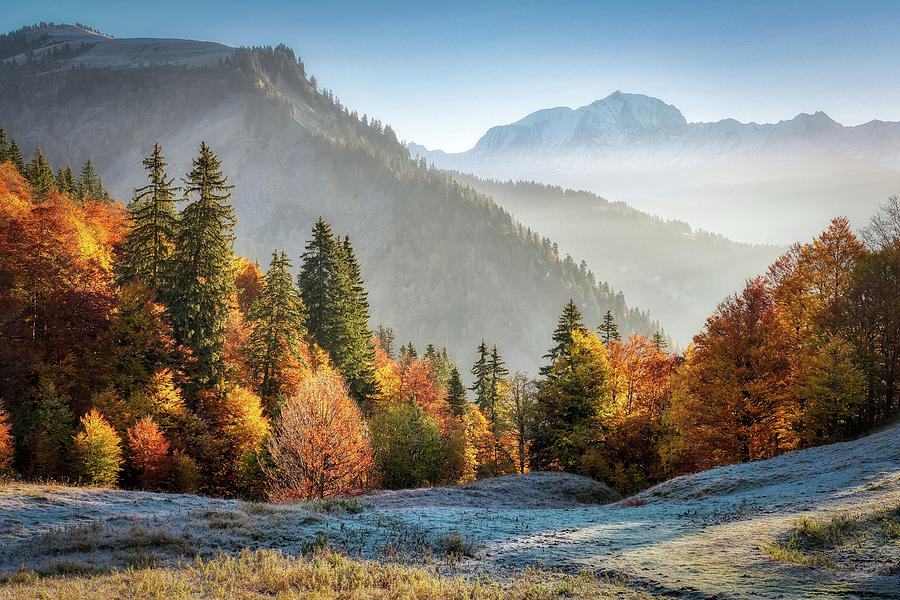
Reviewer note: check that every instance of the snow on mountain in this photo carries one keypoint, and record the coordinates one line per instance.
(93, 49)
(724, 176)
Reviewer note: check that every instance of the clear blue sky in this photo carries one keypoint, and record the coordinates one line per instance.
(442, 73)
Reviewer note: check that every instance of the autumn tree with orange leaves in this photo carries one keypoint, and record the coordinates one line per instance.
(149, 454)
(319, 444)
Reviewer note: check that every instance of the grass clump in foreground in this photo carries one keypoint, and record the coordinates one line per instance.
(813, 542)
(270, 574)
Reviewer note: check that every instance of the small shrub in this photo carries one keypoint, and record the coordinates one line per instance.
(820, 532)
(890, 528)
(334, 506)
(97, 451)
(187, 474)
(453, 543)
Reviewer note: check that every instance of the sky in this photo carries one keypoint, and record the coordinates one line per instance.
(443, 73)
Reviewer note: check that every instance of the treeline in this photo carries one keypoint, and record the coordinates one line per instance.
(138, 350)
(87, 187)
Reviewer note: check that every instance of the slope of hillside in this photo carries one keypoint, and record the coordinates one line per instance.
(678, 273)
(772, 182)
(442, 263)
(697, 536)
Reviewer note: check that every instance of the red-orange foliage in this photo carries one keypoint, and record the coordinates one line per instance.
(319, 444)
(150, 457)
(248, 281)
(734, 400)
(417, 385)
(56, 261)
(6, 442)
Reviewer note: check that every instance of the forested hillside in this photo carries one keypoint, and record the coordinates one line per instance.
(675, 271)
(444, 263)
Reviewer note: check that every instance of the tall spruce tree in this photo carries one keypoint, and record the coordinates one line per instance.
(570, 320)
(456, 392)
(148, 245)
(385, 337)
(203, 257)
(15, 156)
(276, 322)
(39, 174)
(659, 341)
(333, 293)
(482, 372)
(65, 181)
(4, 146)
(90, 185)
(608, 329)
(359, 366)
(498, 373)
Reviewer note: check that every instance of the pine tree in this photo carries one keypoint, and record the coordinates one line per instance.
(608, 329)
(276, 321)
(359, 368)
(203, 257)
(440, 365)
(332, 289)
(16, 157)
(148, 245)
(386, 340)
(498, 373)
(90, 185)
(482, 372)
(408, 350)
(570, 320)
(659, 341)
(65, 181)
(456, 392)
(39, 174)
(4, 146)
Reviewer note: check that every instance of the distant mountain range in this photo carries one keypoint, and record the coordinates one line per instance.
(757, 182)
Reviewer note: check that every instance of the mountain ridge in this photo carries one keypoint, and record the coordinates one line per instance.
(443, 264)
(724, 176)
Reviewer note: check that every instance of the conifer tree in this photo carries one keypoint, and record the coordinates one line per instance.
(608, 329)
(408, 350)
(39, 174)
(4, 146)
(386, 340)
(16, 157)
(570, 320)
(498, 373)
(333, 293)
(276, 321)
(659, 342)
(456, 392)
(148, 245)
(90, 185)
(359, 367)
(65, 181)
(482, 372)
(203, 257)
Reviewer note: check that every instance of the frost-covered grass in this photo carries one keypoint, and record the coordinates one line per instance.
(725, 529)
(326, 575)
(839, 541)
